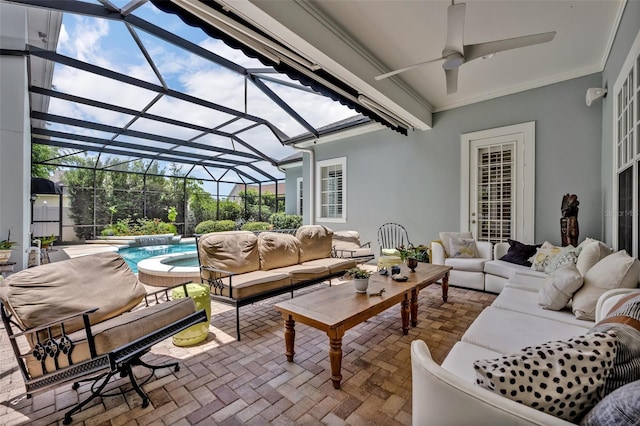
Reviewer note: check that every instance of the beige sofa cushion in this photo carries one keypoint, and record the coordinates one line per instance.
(559, 287)
(277, 250)
(592, 251)
(301, 273)
(315, 242)
(42, 294)
(618, 270)
(334, 265)
(233, 251)
(346, 240)
(116, 332)
(253, 283)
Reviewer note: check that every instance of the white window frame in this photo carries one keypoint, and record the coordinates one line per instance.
(299, 194)
(341, 161)
(634, 156)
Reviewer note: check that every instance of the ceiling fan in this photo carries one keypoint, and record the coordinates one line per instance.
(455, 53)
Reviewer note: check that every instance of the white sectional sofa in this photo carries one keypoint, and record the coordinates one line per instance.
(446, 394)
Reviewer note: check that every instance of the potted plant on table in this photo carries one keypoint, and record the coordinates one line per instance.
(409, 256)
(6, 248)
(360, 278)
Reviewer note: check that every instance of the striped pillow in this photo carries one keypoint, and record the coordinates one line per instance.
(624, 320)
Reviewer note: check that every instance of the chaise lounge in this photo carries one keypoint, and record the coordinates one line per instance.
(87, 319)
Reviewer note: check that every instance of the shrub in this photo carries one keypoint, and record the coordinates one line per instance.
(214, 226)
(256, 226)
(286, 221)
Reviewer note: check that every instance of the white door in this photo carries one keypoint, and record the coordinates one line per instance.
(497, 194)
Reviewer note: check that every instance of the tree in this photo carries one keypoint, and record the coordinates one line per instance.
(39, 154)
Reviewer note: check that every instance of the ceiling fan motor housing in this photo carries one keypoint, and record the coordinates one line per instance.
(453, 61)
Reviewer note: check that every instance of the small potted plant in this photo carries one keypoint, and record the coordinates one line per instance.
(45, 242)
(360, 278)
(409, 256)
(6, 248)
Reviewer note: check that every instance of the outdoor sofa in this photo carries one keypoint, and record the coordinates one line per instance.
(492, 347)
(242, 268)
(87, 319)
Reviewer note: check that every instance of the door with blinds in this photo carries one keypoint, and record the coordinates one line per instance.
(498, 183)
(494, 191)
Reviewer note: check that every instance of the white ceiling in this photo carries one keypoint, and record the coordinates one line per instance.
(359, 39)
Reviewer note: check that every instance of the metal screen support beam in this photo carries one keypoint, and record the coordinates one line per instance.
(260, 202)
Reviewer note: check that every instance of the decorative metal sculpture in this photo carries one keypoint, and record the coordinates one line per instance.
(569, 221)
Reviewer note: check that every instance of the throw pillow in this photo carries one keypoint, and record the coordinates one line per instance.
(543, 256)
(519, 253)
(445, 237)
(592, 251)
(618, 270)
(624, 320)
(566, 255)
(561, 378)
(619, 408)
(462, 247)
(558, 287)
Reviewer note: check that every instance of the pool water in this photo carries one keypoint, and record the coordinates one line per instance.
(133, 255)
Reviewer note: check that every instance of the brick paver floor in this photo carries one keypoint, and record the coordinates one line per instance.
(229, 382)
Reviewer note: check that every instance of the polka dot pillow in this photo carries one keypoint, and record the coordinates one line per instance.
(561, 378)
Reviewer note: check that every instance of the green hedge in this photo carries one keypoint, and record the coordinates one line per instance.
(215, 226)
(256, 226)
(285, 221)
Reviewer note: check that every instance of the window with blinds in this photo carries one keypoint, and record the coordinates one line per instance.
(496, 168)
(300, 196)
(331, 174)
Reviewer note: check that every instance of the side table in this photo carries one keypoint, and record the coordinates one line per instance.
(200, 293)
(6, 268)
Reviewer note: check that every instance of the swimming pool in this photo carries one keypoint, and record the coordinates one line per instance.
(133, 255)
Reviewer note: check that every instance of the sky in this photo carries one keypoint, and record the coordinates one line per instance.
(110, 45)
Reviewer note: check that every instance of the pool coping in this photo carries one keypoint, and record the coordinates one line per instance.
(154, 271)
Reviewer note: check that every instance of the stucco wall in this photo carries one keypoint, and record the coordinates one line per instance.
(415, 180)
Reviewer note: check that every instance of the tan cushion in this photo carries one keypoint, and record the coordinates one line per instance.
(315, 242)
(116, 332)
(44, 293)
(346, 240)
(618, 270)
(277, 250)
(233, 251)
(445, 238)
(333, 264)
(300, 273)
(253, 283)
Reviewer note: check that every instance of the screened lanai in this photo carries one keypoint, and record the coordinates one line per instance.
(122, 87)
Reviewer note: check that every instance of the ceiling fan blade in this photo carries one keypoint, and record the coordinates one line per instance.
(455, 29)
(452, 80)
(474, 51)
(410, 67)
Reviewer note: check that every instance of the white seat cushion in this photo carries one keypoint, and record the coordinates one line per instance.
(518, 300)
(506, 331)
(525, 281)
(507, 269)
(466, 264)
(460, 359)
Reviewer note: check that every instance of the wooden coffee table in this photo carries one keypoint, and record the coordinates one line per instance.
(336, 309)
